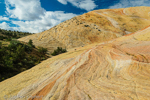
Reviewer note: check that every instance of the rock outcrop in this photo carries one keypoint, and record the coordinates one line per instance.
(93, 27)
(114, 70)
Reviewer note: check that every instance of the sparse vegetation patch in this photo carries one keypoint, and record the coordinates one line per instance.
(59, 50)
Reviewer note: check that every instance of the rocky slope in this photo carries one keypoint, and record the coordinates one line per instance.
(115, 70)
(93, 27)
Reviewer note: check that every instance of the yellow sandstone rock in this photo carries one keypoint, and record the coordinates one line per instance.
(118, 69)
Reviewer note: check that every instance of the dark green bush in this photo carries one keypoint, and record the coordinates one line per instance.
(8, 39)
(86, 25)
(30, 43)
(42, 50)
(59, 50)
(2, 37)
(0, 45)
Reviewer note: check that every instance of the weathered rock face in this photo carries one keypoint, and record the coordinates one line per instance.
(95, 26)
(115, 70)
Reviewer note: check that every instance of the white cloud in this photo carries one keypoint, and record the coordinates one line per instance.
(31, 16)
(4, 25)
(24, 9)
(82, 4)
(46, 22)
(3, 18)
(63, 1)
(130, 3)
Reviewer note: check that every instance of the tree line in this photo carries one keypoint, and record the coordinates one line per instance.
(8, 34)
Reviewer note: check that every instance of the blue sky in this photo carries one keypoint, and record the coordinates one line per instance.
(39, 15)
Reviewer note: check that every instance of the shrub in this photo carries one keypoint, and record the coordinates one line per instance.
(59, 50)
(42, 50)
(13, 45)
(30, 43)
(86, 25)
(0, 45)
(2, 37)
(9, 39)
(28, 48)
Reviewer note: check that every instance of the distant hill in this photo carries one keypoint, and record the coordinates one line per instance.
(92, 27)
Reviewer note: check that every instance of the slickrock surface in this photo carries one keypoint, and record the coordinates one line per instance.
(115, 70)
(93, 27)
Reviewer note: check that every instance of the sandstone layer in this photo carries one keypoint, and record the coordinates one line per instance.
(114, 70)
(92, 27)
